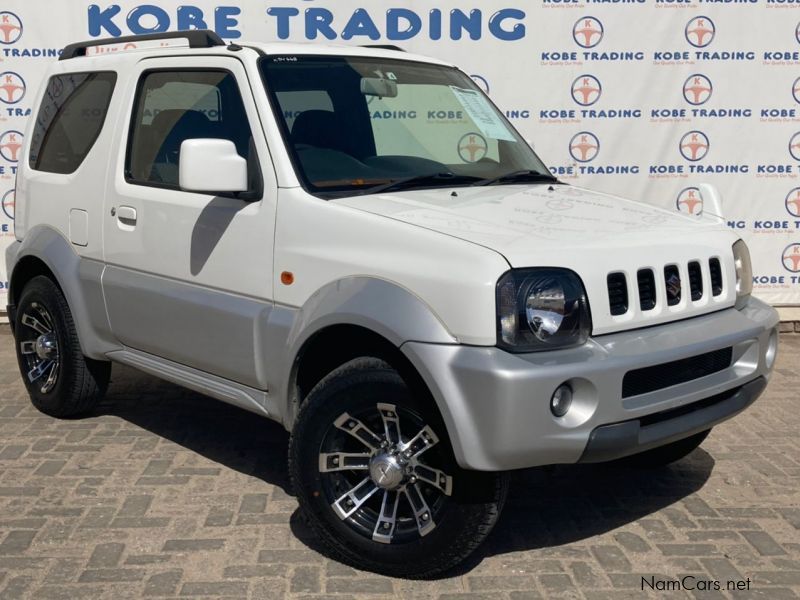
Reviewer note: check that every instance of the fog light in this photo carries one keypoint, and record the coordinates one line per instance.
(561, 400)
(772, 349)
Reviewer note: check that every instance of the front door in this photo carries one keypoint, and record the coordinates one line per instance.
(189, 275)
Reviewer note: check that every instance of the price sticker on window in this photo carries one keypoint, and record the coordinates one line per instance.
(482, 113)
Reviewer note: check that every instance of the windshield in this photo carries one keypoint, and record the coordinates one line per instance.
(363, 125)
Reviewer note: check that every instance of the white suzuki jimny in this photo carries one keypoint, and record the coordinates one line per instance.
(355, 242)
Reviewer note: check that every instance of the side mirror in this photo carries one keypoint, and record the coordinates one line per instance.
(712, 200)
(211, 166)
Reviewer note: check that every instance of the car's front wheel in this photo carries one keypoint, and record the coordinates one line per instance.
(377, 481)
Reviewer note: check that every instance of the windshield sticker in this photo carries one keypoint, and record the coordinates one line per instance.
(482, 113)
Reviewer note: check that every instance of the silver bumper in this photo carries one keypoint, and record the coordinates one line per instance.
(496, 405)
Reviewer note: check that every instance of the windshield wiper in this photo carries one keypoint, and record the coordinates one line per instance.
(527, 175)
(417, 180)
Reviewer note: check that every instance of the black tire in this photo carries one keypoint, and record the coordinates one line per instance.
(79, 383)
(462, 520)
(664, 455)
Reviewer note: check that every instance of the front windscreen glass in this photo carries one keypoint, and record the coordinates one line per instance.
(362, 125)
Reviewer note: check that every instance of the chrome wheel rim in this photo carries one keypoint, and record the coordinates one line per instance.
(376, 479)
(38, 346)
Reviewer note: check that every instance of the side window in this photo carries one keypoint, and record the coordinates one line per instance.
(173, 106)
(70, 119)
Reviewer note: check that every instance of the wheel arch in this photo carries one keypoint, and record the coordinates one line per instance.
(358, 316)
(45, 251)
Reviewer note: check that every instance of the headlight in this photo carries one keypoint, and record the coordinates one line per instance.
(744, 272)
(541, 309)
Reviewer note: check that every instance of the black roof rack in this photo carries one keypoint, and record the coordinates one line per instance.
(198, 38)
(383, 47)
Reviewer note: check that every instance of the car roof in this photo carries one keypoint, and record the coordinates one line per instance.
(299, 48)
(118, 54)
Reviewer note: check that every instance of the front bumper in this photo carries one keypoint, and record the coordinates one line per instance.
(496, 405)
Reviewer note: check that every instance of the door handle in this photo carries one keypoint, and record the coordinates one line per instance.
(126, 217)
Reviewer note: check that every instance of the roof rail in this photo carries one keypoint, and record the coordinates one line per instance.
(198, 38)
(383, 47)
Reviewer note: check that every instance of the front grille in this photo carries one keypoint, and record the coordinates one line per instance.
(650, 379)
(646, 281)
(617, 293)
(716, 276)
(695, 281)
(671, 285)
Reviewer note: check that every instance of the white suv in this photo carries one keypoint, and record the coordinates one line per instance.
(355, 242)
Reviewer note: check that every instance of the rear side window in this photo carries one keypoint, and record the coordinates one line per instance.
(173, 106)
(70, 119)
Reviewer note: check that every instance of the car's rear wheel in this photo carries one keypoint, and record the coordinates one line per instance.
(60, 380)
(670, 453)
(377, 481)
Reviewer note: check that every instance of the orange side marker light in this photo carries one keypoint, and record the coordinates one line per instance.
(287, 278)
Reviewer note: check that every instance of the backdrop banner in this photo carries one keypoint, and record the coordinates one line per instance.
(641, 98)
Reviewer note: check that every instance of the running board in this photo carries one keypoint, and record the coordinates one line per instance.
(228, 391)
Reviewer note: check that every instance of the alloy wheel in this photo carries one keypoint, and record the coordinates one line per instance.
(376, 479)
(38, 345)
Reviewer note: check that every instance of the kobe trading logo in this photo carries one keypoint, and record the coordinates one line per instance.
(587, 32)
(586, 90)
(472, 147)
(10, 27)
(584, 146)
(794, 146)
(8, 203)
(694, 146)
(690, 201)
(792, 202)
(700, 32)
(12, 87)
(697, 89)
(791, 258)
(10, 144)
(481, 82)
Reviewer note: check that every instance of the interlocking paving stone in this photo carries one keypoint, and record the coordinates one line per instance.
(163, 493)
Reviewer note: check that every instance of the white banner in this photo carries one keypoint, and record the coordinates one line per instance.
(641, 98)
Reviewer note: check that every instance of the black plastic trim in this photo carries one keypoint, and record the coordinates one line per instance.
(383, 47)
(617, 440)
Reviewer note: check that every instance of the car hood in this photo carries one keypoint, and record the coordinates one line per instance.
(591, 233)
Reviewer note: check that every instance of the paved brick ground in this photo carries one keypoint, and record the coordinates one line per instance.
(165, 493)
